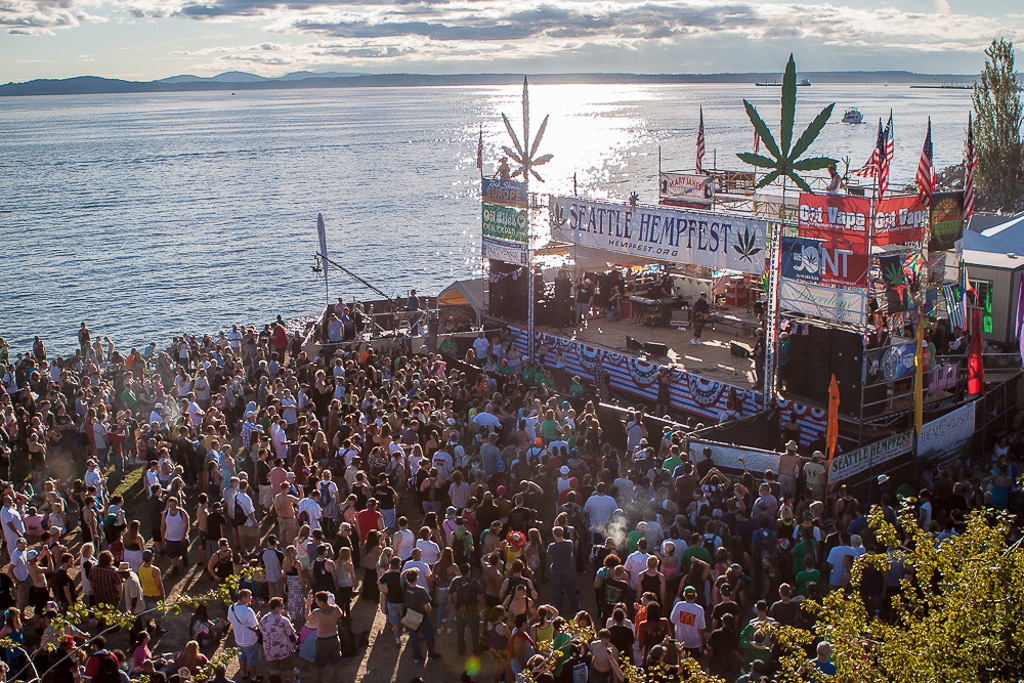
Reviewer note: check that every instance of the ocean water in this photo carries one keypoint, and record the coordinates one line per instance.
(150, 215)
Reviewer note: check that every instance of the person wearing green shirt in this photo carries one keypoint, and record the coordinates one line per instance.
(673, 461)
(548, 426)
(449, 347)
(529, 375)
(129, 399)
(810, 574)
(695, 549)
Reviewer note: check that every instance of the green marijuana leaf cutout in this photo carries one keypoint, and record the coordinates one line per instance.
(785, 161)
(895, 276)
(747, 247)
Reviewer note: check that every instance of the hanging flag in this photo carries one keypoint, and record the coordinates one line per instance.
(954, 309)
(885, 158)
(970, 161)
(965, 289)
(480, 149)
(321, 232)
(700, 143)
(919, 375)
(1018, 326)
(832, 425)
(975, 364)
(870, 169)
(925, 172)
(757, 141)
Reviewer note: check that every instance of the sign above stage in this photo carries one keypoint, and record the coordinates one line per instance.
(687, 188)
(507, 252)
(661, 233)
(505, 192)
(819, 262)
(847, 306)
(841, 220)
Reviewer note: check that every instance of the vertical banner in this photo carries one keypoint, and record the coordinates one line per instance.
(946, 219)
(832, 426)
(321, 232)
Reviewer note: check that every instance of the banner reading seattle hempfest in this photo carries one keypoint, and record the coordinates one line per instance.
(661, 233)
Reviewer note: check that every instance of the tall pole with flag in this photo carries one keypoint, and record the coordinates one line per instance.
(831, 427)
(925, 170)
(321, 233)
(700, 143)
(919, 375)
(480, 152)
(525, 154)
(970, 161)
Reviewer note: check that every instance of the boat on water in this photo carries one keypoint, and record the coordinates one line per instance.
(852, 115)
(778, 84)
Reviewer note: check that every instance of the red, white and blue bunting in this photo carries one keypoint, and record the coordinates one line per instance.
(812, 421)
(688, 392)
(495, 277)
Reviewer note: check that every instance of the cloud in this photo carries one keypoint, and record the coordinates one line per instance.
(611, 22)
(43, 17)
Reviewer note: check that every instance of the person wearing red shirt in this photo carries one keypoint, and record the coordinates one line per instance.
(367, 519)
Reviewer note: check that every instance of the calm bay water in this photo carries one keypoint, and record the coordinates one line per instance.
(152, 215)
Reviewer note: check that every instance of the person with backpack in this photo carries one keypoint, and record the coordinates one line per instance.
(102, 666)
(465, 593)
(462, 543)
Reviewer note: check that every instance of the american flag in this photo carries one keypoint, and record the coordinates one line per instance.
(757, 142)
(969, 163)
(480, 149)
(870, 169)
(700, 143)
(925, 172)
(881, 157)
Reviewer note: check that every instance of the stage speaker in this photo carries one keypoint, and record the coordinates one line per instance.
(808, 373)
(633, 344)
(655, 349)
(740, 350)
(564, 307)
(846, 361)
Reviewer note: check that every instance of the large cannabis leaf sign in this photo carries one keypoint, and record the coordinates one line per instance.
(746, 246)
(785, 161)
(525, 154)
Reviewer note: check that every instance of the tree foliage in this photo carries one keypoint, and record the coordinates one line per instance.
(784, 160)
(998, 116)
(959, 615)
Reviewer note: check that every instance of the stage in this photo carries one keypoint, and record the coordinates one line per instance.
(712, 359)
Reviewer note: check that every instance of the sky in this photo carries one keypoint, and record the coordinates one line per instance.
(151, 39)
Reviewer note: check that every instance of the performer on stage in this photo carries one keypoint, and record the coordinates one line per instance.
(700, 312)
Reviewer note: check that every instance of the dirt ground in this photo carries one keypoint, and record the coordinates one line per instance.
(381, 662)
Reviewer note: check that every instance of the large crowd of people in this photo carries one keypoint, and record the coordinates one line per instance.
(476, 506)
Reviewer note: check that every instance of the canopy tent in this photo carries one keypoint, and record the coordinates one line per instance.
(471, 293)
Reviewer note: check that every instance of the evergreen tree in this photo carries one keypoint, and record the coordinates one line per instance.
(998, 115)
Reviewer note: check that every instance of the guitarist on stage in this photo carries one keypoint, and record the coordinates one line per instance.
(699, 313)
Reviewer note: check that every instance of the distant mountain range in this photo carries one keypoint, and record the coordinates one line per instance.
(238, 80)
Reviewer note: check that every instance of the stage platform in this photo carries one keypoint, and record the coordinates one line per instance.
(712, 359)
